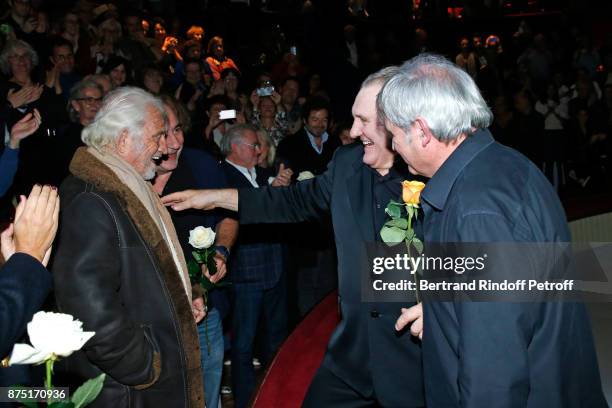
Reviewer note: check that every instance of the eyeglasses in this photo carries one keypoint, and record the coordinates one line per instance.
(253, 146)
(16, 57)
(89, 100)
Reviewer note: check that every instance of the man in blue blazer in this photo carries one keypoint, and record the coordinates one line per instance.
(26, 246)
(495, 353)
(367, 363)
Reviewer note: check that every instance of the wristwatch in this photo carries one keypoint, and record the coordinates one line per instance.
(223, 251)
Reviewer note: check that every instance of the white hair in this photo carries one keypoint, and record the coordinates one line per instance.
(125, 108)
(233, 135)
(11, 47)
(430, 87)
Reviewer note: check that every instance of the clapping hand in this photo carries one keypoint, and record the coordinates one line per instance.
(24, 128)
(24, 96)
(35, 225)
(283, 178)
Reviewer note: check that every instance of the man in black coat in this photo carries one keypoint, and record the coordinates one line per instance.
(367, 363)
(499, 352)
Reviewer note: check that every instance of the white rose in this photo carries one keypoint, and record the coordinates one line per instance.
(51, 335)
(305, 175)
(201, 237)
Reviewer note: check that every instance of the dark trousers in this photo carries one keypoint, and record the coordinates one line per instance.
(327, 390)
(251, 303)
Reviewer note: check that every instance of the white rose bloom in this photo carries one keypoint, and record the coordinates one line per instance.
(305, 175)
(51, 334)
(201, 237)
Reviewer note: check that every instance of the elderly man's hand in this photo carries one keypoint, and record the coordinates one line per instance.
(35, 225)
(413, 314)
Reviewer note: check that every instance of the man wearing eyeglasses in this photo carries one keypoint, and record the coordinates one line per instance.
(256, 267)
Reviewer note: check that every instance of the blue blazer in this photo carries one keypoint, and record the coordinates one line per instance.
(24, 286)
(502, 354)
(365, 351)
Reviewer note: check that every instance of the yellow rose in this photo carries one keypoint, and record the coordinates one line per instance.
(411, 192)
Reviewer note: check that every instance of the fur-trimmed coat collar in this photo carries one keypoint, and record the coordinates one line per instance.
(91, 170)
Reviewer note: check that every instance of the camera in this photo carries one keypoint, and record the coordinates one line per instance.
(266, 90)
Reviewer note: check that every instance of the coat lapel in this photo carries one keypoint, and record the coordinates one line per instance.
(359, 187)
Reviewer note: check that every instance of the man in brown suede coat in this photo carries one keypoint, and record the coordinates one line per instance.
(119, 267)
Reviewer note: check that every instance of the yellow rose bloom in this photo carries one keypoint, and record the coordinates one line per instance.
(411, 192)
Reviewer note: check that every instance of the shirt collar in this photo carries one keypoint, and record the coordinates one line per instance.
(324, 138)
(438, 188)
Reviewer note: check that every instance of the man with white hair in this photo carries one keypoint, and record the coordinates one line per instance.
(500, 353)
(119, 267)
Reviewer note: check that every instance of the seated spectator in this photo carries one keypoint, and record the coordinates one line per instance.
(109, 33)
(231, 82)
(292, 103)
(216, 60)
(26, 248)
(118, 69)
(269, 114)
(80, 40)
(152, 80)
(83, 105)
(64, 71)
(466, 59)
(195, 33)
(193, 90)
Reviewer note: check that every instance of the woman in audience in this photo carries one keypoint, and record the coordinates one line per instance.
(216, 60)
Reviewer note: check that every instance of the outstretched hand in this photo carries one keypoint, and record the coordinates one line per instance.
(24, 128)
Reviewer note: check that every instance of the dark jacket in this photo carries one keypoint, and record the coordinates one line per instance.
(296, 152)
(24, 285)
(365, 351)
(257, 257)
(115, 273)
(502, 354)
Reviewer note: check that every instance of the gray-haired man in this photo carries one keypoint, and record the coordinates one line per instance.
(119, 267)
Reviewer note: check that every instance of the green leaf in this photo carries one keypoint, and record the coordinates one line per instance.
(392, 235)
(410, 235)
(394, 210)
(88, 392)
(418, 245)
(199, 258)
(401, 223)
(194, 271)
(410, 210)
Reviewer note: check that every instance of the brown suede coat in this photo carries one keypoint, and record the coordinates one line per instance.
(89, 169)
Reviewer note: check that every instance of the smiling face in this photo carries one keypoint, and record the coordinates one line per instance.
(88, 105)
(317, 122)
(367, 128)
(20, 61)
(175, 139)
(142, 153)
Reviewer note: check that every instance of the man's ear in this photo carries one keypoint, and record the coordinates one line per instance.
(123, 142)
(425, 136)
(75, 105)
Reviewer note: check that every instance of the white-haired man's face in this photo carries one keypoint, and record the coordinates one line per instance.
(142, 153)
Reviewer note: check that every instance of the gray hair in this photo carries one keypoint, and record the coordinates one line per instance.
(123, 109)
(76, 92)
(12, 46)
(381, 76)
(433, 88)
(234, 135)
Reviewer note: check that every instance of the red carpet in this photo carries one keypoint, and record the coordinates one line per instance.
(291, 371)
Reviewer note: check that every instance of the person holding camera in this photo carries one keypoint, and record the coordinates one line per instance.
(269, 113)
